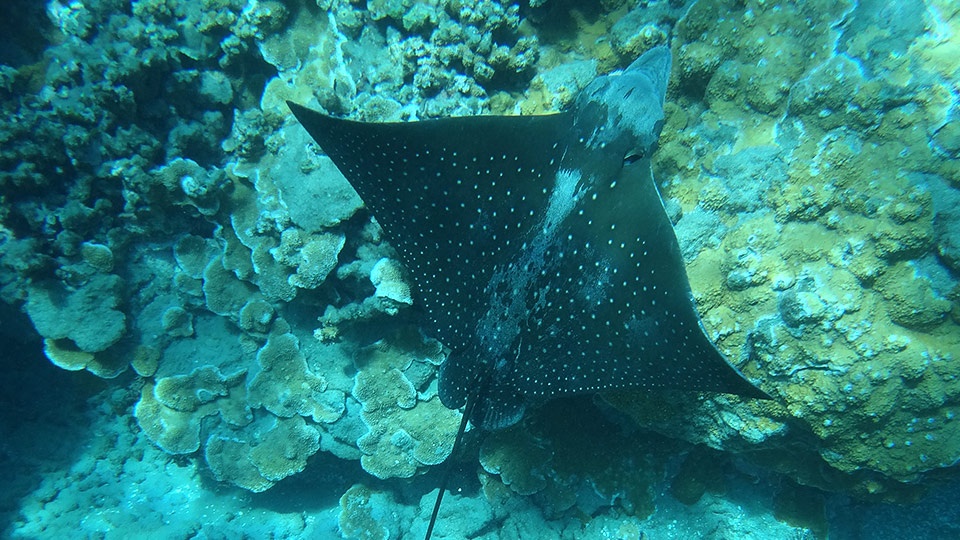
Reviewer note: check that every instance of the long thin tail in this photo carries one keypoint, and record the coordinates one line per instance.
(451, 460)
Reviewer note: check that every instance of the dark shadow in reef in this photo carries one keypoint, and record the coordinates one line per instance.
(934, 517)
(25, 31)
(326, 478)
(42, 420)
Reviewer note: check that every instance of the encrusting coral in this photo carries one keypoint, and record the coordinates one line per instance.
(285, 387)
(822, 283)
(358, 518)
(268, 454)
(59, 312)
(407, 430)
(171, 410)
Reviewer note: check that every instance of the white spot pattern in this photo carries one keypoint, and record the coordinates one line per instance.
(551, 278)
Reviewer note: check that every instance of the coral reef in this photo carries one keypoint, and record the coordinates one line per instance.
(359, 512)
(433, 59)
(170, 412)
(277, 450)
(59, 312)
(161, 211)
(407, 426)
(822, 284)
(285, 387)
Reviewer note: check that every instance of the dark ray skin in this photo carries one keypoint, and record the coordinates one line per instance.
(539, 246)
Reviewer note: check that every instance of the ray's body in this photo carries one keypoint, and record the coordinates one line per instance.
(539, 246)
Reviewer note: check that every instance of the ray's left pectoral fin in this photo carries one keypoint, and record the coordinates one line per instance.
(456, 197)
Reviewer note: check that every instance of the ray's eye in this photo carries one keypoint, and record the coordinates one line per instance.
(633, 157)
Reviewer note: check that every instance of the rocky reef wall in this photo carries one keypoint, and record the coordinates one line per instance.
(166, 224)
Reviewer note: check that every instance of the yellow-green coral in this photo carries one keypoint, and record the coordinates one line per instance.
(177, 322)
(64, 354)
(225, 294)
(286, 387)
(170, 411)
(559, 448)
(193, 253)
(263, 456)
(387, 276)
(827, 295)
(284, 450)
(98, 256)
(176, 432)
(519, 458)
(189, 392)
(911, 301)
(314, 44)
(313, 259)
(229, 460)
(405, 432)
(256, 316)
(145, 360)
(59, 311)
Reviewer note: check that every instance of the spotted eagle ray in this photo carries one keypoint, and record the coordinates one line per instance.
(539, 247)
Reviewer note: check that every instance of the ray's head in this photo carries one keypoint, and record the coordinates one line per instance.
(622, 112)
